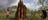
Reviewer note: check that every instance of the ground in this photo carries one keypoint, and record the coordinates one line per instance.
(12, 17)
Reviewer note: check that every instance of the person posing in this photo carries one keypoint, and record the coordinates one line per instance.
(7, 12)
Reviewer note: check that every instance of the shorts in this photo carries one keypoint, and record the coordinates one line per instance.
(7, 16)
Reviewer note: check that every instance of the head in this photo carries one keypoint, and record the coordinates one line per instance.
(8, 8)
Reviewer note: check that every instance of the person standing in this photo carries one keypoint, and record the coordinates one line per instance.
(7, 12)
(44, 15)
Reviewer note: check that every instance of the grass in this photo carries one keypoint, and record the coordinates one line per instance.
(11, 17)
(29, 17)
(36, 17)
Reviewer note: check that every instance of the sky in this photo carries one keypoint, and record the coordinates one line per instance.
(30, 4)
(7, 3)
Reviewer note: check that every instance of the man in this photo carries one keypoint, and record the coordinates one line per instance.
(44, 15)
(7, 12)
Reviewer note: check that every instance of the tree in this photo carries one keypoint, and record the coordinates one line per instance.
(42, 2)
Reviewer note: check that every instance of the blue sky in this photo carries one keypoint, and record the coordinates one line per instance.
(6, 3)
(30, 4)
(34, 4)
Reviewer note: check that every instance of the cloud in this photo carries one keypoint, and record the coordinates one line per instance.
(15, 3)
(33, 5)
(7, 3)
(30, 4)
